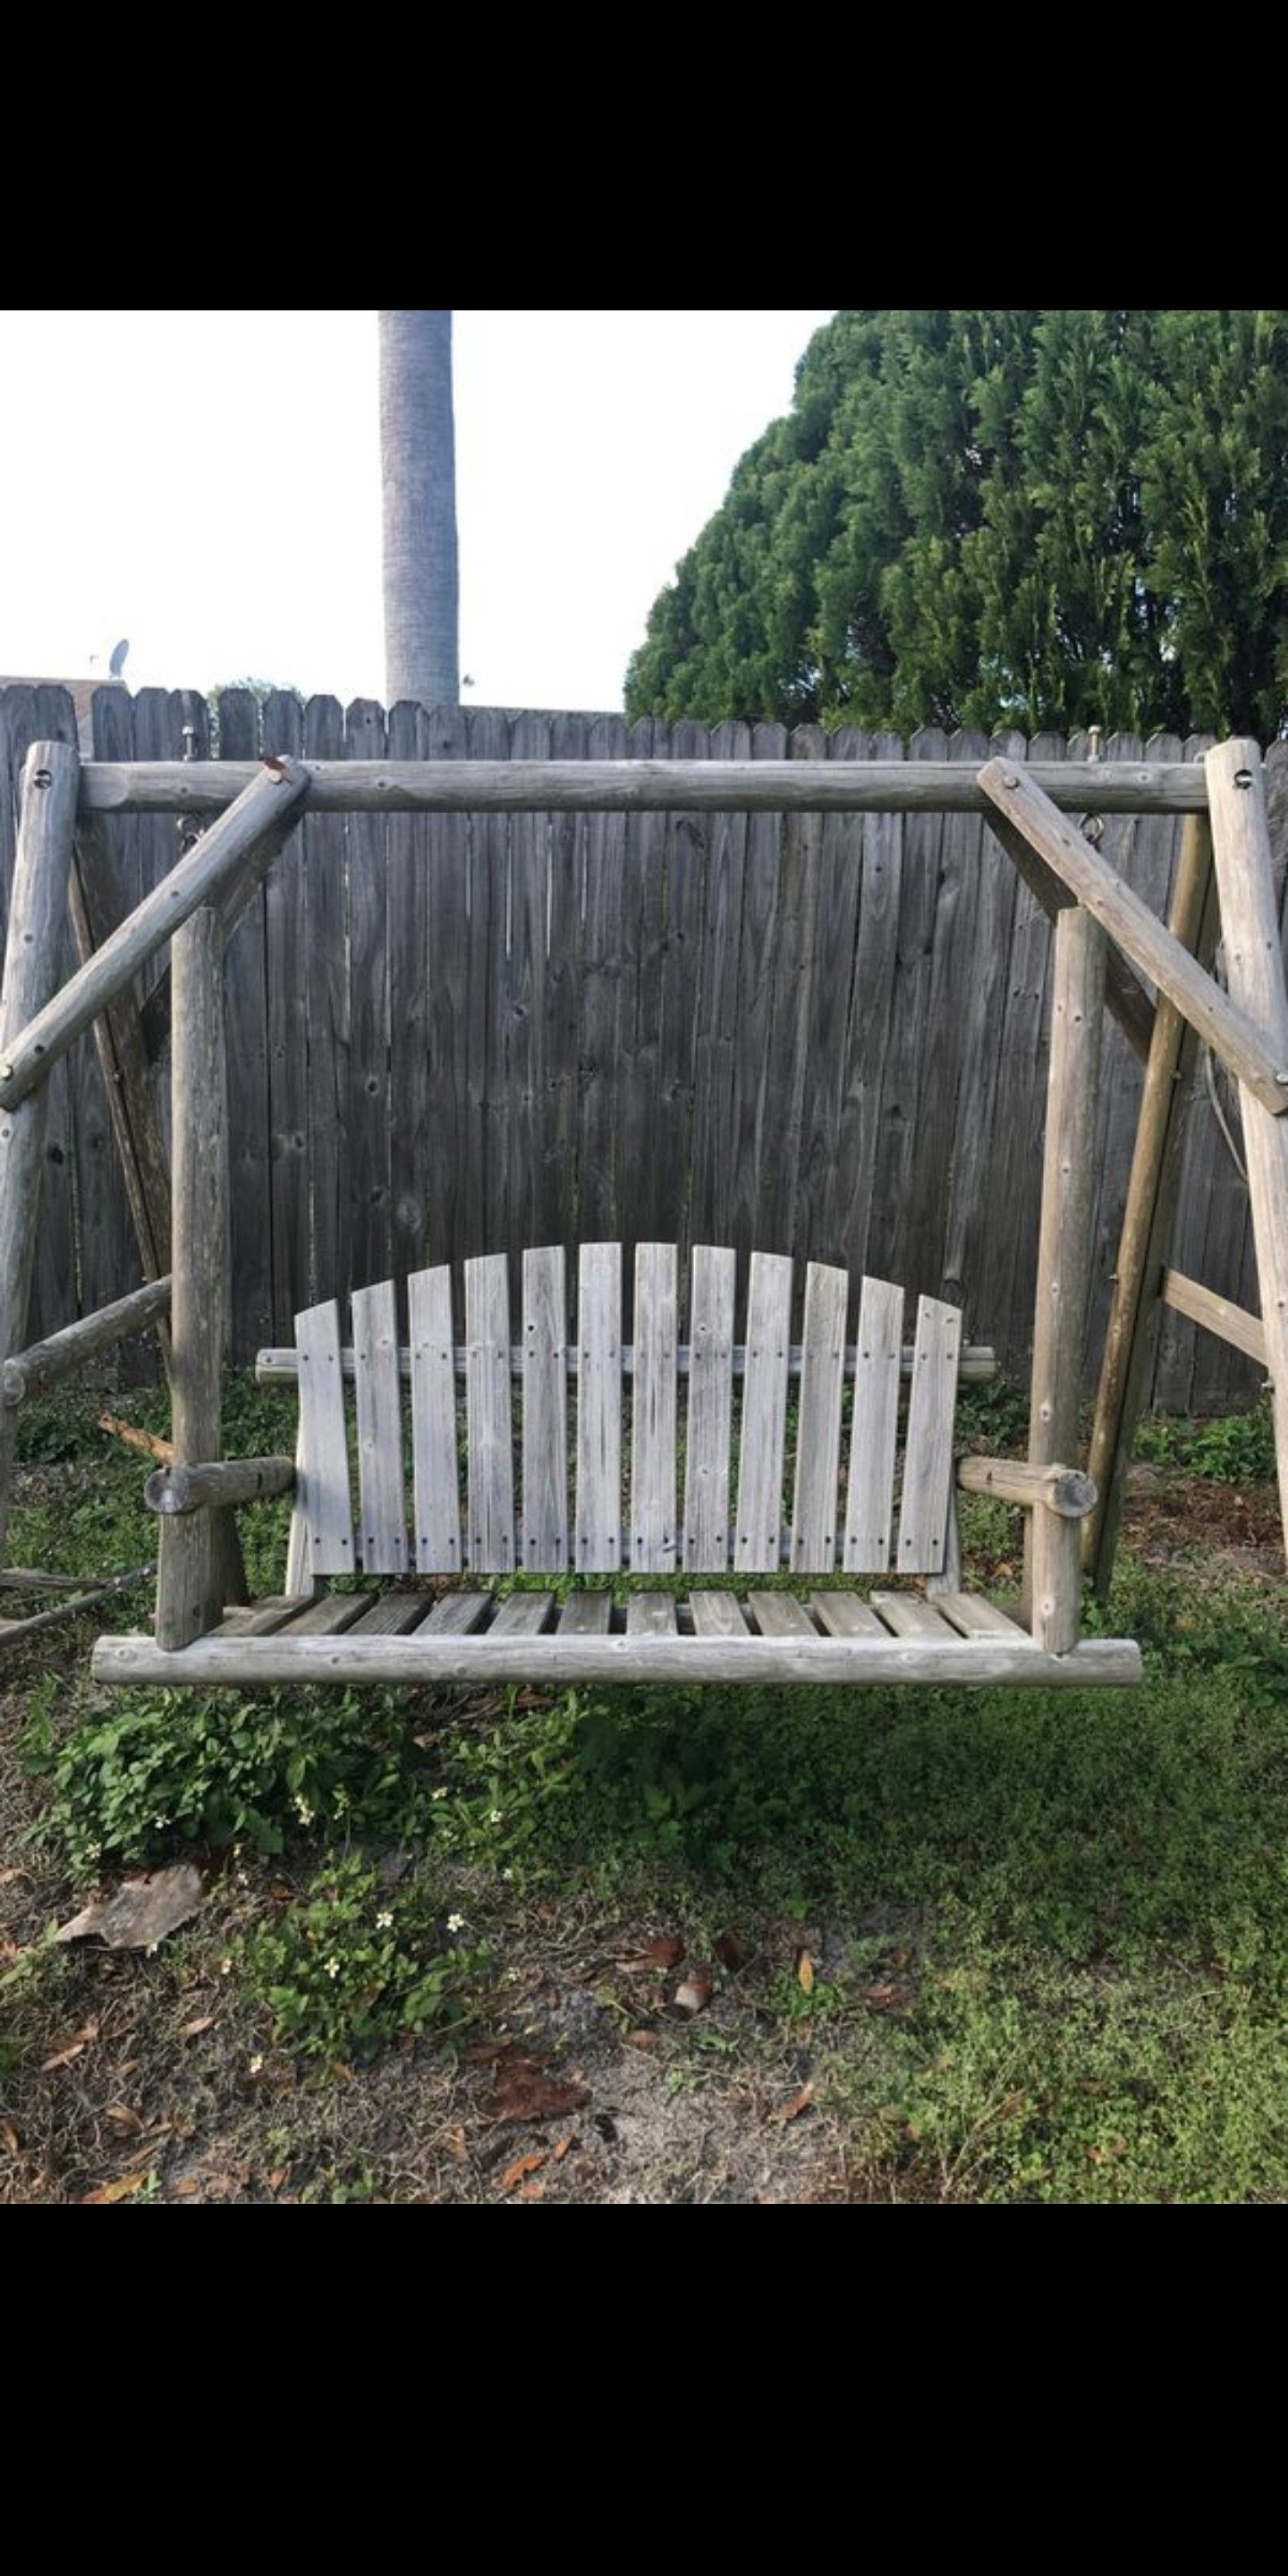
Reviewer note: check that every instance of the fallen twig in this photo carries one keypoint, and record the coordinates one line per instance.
(150, 1442)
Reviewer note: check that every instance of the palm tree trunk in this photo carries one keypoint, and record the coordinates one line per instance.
(418, 482)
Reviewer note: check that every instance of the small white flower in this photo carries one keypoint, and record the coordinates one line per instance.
(332, 1967)
(256, 2066)
(456, 1923)
(439, 1793)
(507, 1873)
(225, 1967)
(384, 1920)
(494, 1816)
(304, 1811)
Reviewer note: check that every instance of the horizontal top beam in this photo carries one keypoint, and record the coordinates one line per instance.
(643, 786)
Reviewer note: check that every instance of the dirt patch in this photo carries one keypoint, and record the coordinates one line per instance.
(1168, 1510)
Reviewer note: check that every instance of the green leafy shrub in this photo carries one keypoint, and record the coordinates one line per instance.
(1234, 1448)
(223, 1769)
(353, 1964)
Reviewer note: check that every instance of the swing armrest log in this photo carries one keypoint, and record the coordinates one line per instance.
(1065, 1490)
(219, 1486)
(1059, 1499)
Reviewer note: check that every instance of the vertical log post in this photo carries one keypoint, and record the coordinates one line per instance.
(189, 1585)
(1255, 972)
(37, 912)
(1149, 1212)
(1053, 1547)
(136, 1126)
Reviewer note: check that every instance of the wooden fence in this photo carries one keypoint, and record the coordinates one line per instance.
(453, 1034)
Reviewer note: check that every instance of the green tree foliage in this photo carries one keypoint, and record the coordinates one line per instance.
(1040, 519)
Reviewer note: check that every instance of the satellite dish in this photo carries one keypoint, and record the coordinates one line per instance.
(119, 651)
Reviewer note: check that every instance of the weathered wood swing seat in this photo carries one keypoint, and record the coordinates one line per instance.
(640, 1517)
(717, 1485)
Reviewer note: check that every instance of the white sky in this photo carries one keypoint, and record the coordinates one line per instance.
(207, 484)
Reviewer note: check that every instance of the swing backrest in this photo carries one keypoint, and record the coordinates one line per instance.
(511, 1455)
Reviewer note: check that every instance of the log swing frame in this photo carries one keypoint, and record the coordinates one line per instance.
(1109, 951)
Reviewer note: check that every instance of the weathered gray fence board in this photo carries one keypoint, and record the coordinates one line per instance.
(366, 1142)
(526, 1017)
(600, 1000)
(411, 1132)
(250, 1226)
(285, 944)
(450, 1035)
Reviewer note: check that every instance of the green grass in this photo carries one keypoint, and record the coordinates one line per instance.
(1051, 1930)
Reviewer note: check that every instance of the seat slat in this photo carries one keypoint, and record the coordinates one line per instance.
(522, 1614)
(433, 1405)
(869, 1504)
(928, 1456)
(382, 1526)
(844, 1615)
(586, 1614)
(545, 1411)
(490, 1447)
(758, 1533)
(654, 1548)
(391, 1615)
(329, 1617)
(258, 1618)
(818, 1437)
(716, 1614)
(651, 1614)
(323, 1500)
(979, 1618)
(907, 1615)
(709, 1428)
(456, 1614)
(777, 1615)
(599, 1409)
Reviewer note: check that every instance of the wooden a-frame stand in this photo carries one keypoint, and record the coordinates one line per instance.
(1106, 942)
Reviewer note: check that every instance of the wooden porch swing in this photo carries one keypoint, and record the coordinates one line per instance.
(634, 1515)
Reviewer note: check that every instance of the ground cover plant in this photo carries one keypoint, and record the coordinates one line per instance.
(800, 1946)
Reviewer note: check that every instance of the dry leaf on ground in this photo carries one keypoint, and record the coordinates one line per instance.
(693, 1994)
(142, 1911)
(522, 2166)
(73, 2048)
(118, 2190)
(799, 2102)
(805, 1973)
(524, 2090)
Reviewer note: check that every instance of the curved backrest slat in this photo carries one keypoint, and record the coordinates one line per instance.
(598, 1547)
(653, 1544)
(878, 1357)
(323, 1501)
(682, 1403)
(818, 1431)
(928, 1456)
(710, 1417)
(489, 1429)
(545, 1411)
(382, 1501)
(758, 1531)
(435, 1473)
